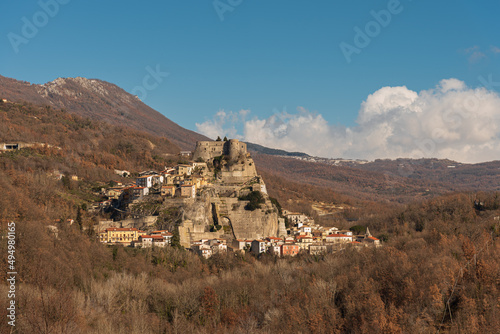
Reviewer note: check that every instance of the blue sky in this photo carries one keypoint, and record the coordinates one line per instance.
(262, 56)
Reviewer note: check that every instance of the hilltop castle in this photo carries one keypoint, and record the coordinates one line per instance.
(234, 175)
(238, 166)
(207, 150)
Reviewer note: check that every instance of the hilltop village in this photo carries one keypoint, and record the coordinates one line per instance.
(223, 206)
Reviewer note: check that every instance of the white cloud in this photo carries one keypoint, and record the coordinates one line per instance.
(451, 84)
(495, 49)
(303, 131)
(450, 121)
(474, 54)
(223, 124)
(472, 49)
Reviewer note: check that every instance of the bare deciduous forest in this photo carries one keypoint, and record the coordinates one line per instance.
(438, 269)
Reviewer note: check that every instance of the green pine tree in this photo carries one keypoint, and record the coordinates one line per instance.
(79, 218)
(176, 240)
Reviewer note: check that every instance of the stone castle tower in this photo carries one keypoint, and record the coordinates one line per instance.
(234, 149)
(238, 166)
(234, 174)
(207, 150)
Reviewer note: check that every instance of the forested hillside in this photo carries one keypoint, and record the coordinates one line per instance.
(484, 175)
(361, 184)
(32, 187)
(438, 268)
(442, 275)
(101, 101)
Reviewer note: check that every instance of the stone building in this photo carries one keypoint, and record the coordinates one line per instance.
(237, 166)
(120, 235)
(208, 150)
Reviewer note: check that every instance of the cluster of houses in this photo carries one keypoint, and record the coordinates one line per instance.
(303, 236)
(183, 180)
(306, 232)
(136, 238)
(287, 246)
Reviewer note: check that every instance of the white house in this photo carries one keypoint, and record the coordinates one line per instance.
(258, 247)
(148, 241)
(332, 230)
(338, 238)
(218, 248)
(275, 250)
(296, 218)
(139, 192)
(157, 179)
(306, 229)
(304, 241)
(203, 250)
(145, 181)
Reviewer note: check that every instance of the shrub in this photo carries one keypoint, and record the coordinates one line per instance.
(358, 229)
(255, 199)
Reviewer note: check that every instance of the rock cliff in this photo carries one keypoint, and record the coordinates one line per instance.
(221, 210)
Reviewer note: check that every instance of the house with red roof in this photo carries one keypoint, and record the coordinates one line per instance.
(188, 191)
(368, 240)
(258, 246)
(304, 241)
(289, 249)
(145, 181)
(119, 235)
(168, 191)
(147, 241)
(338, 238)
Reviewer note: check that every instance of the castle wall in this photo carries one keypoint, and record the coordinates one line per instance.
(138, 223)
(208, 150)
(211, 149)
(189, 232)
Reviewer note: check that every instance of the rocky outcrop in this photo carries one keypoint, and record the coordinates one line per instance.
(218, 209)
(196, 220)
(230, 214)
(189, 232)
(255, 224)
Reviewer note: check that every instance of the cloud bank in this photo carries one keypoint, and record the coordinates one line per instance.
(449, 121)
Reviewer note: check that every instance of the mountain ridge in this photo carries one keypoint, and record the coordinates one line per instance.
(382, 178)
(99, 100)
